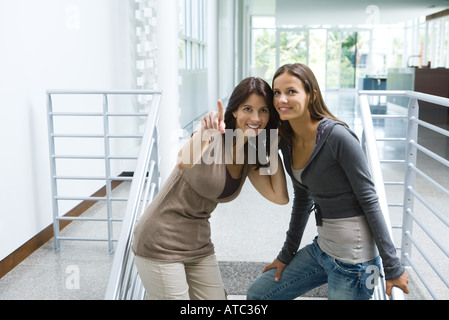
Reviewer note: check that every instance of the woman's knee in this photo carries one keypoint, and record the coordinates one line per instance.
(261, 287)
(255, 292)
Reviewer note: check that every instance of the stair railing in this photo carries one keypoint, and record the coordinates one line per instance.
(410, 218)
(124, 282)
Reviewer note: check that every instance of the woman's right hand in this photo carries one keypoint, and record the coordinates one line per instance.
(279, 268)
(214, 120)
(211, 124)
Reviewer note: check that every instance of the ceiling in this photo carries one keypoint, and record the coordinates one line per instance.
(334, 12)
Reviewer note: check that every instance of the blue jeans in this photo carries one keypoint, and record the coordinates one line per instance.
(310, 268)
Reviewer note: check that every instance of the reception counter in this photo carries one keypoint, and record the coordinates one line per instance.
(431, 81)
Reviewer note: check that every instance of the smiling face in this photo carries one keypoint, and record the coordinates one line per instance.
(290, 98)
(252, 115)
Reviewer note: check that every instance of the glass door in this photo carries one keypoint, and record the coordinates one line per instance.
(333, 60)
(292, 46)
(317, 55)
(338, 57)
(346, 59)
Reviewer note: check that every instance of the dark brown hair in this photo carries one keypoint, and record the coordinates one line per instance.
(241, 93)
(317, 107)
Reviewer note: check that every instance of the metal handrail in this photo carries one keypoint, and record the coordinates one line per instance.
(410, 193)
(105, 114)
(376, 171)
(124, 282)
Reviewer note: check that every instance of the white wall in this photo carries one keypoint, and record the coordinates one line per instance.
(212, 53)
(46, 44)
(167, 65)
(226, 49)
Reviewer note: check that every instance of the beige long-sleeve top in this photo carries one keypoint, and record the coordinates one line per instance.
(175, 226)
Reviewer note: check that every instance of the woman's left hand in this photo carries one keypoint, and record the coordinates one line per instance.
(400, 282)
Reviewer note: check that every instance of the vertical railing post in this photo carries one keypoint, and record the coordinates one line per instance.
(54, 201)
(107, 158)
(410, 179)
(155, 156)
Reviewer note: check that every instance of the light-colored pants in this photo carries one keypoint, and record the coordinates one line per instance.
(195, 279)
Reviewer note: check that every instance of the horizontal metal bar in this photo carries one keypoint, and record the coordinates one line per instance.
(66, 218)
(393, 183)
(410, 94)
(78, 178)
(392, 139)
(430, 153)
(99, 136)
(121, 179)
(424, 255)
(388, 116)
(392, 161)
(97, 157)
(430, 126)
(122, 157)
(109, 92)
(400, 205)
(133, 136)
(429, 179)
(383, 92)
(85, 157)
(92, 178)
(444, 102)
(420, 276)
(75, 198)
(76, 114)
(84, 239)
(127, 114)
(427, 231)
(428, 206)
(69, 135)
(98, 114)
(80, 198)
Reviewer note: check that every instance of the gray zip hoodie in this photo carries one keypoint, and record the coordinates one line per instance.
(336, 184)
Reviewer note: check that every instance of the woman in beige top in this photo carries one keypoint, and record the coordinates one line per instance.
(172, 240)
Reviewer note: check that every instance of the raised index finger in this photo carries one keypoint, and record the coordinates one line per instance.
(220, 110)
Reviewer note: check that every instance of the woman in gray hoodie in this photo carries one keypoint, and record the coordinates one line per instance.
(330, 177)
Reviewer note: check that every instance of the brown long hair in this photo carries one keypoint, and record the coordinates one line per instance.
(240, 94)
(317, 107)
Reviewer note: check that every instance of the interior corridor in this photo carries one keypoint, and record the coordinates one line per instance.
(248, 232)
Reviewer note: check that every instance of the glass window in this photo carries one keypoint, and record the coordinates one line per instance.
(263, 47)
(182, 54)
(193, 73)
(333, 60)
(342, 55)
(293, 47)
(263, 53)
(263, 22)
(192, 34)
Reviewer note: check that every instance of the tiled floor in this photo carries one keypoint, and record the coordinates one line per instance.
(247, 233)
(79, 270)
